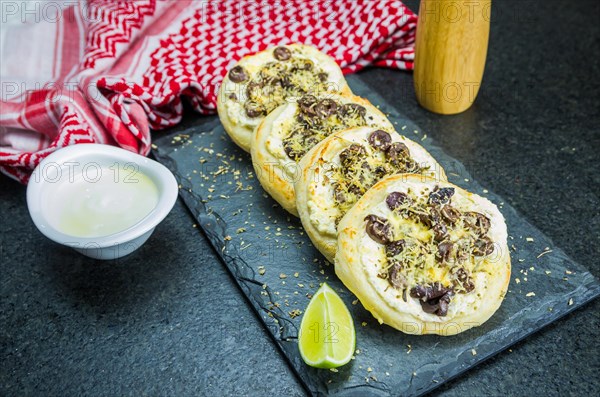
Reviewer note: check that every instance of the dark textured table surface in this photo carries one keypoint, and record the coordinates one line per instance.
(168, 320)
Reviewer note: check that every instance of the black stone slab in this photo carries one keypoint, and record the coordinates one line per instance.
(250, 230)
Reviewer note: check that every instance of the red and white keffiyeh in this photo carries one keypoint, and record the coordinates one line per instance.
(109, 71)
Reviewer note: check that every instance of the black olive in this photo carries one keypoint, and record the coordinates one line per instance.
(436, 290)
(483, 246)
(397, 153)
(378, 229)
(394, 248)
(380, 172)
(238, 74)
(434, 299)
(395, 276)
(445, 251)
(254, 109)
(282, 54)
(355, 189)
(253, 89)
(352, 153)
(441, 195)
(450, 214)
(351, 109)
(396, 199)
(439, 231)
(339, 194)
(326, 108)
(462, 278)
(307, 104)
(380, 140)
(443, 305)
(423, 218)
(478, 222)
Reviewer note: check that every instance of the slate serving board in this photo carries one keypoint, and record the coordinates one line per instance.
(277, 268)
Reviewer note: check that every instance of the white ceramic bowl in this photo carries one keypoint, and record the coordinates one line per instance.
(60, 166)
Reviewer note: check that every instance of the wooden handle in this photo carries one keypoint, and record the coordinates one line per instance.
(450, 53)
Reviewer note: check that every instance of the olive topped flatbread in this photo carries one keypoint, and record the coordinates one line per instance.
(259, 83)
(424, 256)
(340, 169)
(291, 130)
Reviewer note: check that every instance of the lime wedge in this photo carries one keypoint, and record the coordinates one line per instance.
(327, 338)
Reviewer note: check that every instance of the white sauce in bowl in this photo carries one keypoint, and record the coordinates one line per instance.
(101, 202)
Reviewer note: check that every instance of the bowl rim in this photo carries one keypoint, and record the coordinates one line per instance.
(163, 178)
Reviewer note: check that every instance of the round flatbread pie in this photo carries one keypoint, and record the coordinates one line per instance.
(291, 130)
(341, 168)
(259, 83)
(424, 256)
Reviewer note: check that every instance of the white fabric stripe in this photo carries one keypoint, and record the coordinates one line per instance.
(59, 48)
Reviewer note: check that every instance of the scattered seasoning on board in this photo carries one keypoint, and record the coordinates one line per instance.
(530, 294)
(295, 313)
(547, 251)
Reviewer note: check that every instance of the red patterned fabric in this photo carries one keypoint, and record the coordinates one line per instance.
(109, 71)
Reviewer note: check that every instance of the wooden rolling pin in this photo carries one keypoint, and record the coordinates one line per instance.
(450, 53)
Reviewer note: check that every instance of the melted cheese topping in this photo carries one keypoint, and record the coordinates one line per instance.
(286, 122)
(421, 266)
(304, 134)
(271, 96)
(421, 248)
(324, 210)
(362, 173)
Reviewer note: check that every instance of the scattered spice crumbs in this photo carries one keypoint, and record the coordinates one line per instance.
(295, 313)
(261, 270)
(570, 301)
(530, 239)
(530, 294)
(282, 275)
(547, 251)
(473, 352)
